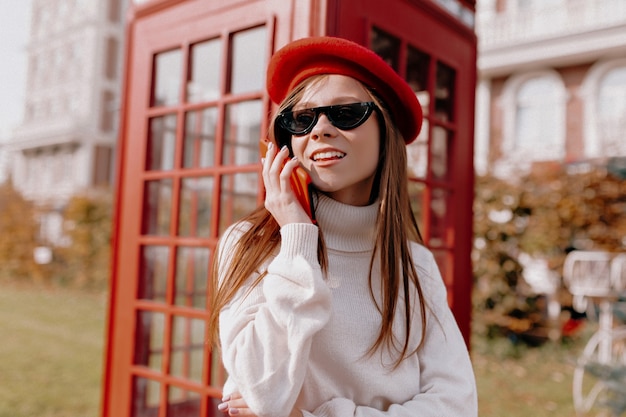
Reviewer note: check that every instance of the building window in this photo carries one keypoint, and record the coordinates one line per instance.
(611, 120)
(109, 112)
(115, 11)
(540, 118)
(111, 58)
(533, 123)
(103, 159)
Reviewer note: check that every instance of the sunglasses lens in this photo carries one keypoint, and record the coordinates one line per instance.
(297, 122)
(348, 116)
(303, 119)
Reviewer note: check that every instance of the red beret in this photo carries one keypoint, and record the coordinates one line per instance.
(306, 57)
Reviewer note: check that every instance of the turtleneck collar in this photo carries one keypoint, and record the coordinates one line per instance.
(344, 227)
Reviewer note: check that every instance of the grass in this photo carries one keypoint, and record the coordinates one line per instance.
(51, 352)
(521, 381)
(51, 361)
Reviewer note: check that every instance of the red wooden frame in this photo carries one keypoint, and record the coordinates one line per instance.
(165, 25)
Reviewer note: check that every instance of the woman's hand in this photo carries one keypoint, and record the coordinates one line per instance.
(234, 405)
(280, 200)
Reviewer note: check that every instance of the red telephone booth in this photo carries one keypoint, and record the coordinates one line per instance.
(194, 109)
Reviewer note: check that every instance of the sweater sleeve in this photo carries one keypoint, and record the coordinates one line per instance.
(448, 387)
(266, 331)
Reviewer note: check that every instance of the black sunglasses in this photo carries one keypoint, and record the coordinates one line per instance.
(342, 116)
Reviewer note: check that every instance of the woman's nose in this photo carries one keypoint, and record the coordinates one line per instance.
(323, 127)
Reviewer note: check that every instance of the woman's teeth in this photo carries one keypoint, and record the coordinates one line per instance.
(328, 155)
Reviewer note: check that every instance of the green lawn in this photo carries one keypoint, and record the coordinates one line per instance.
(531, 382)
(51, 361)
(50, 352)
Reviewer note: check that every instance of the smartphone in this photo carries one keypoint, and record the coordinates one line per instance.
(300, 183)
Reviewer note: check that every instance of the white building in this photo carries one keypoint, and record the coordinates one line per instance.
(65, 143)
(552, 83)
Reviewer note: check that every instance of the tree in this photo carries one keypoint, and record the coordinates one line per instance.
(18, 236)
(85, 260)
(544, 215)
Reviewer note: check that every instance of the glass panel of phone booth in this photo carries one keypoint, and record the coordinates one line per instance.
(167, 78)
(199, 142)
(444, 92)
(182, 403)
(417, 154)
(161, 143)
(242, 131)
(204, 71)
(157, 205)
(416, 194)
(386, 46)
(192, 271)
(440, 145)
(217, 375)
(187, 348)
(417, 67)
(146, 397)
(438, 218)
(149, 340)
(196, 201)
(238, 197)
(248, 52)
(153, 265)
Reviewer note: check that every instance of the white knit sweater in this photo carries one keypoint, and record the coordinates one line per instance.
(301, 340)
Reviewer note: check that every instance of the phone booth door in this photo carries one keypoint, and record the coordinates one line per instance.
(194, 115)
(436, 54)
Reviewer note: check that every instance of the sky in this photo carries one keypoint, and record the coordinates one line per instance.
(14, 31)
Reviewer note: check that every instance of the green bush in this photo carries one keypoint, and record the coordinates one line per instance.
(18, 236)
(85, 260)
(81, 256)
(543, 215)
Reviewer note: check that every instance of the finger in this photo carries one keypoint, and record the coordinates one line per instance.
(278, 162)
(235, 407)
(273, 170)
(241, 412)
(269, 157)
(231, 402)
(270, 165)
(224, 405)
(237, 404)
(286, 173)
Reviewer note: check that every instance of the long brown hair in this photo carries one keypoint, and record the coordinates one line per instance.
(395, 227)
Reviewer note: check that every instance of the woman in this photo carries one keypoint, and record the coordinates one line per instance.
(346, 315)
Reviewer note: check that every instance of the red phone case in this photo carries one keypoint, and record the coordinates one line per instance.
(300, 183)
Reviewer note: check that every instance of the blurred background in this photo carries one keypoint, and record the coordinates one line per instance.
(549, 158)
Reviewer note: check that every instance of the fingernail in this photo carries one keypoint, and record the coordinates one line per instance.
(262, 160)
(222, 406)
(283, 148)
(226, 398)
(233, 411)
(295, 158)
(270, 145)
